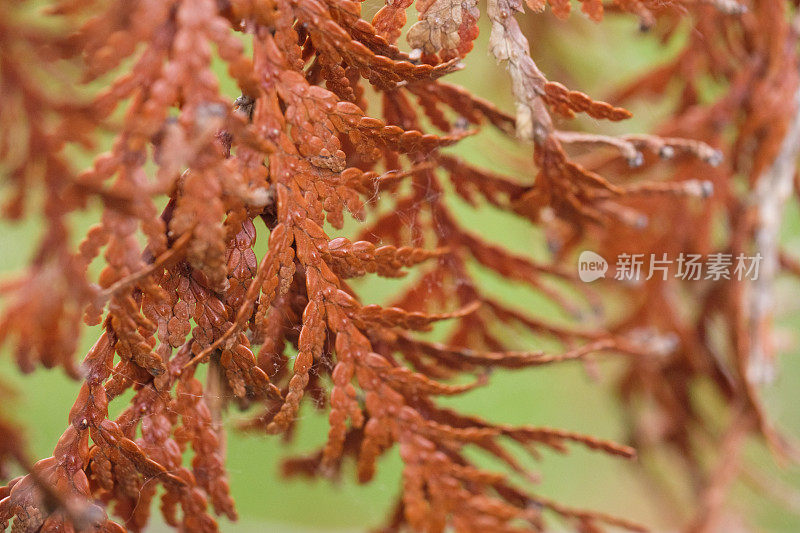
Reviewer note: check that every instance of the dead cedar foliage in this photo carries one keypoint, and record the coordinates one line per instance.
(298, 151)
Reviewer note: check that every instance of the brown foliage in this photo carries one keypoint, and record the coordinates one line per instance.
(294, 153)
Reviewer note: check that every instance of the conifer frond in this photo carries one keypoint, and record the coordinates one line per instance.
(331, 118)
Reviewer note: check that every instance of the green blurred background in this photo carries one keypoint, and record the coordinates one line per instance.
(589, 57)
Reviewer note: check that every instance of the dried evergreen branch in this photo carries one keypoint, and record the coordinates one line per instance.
(192, 175)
